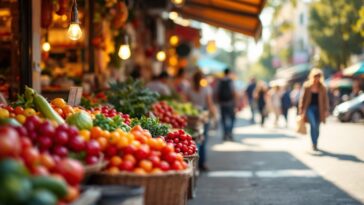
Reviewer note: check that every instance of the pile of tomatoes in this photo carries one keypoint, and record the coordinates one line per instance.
(19, 113)
(182, 142)
(144, 154)
(166, 114)
(58, 140)
(21, 148)
(62, 108)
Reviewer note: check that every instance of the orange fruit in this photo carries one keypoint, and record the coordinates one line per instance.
(72, 194)
(130, 137)
(113, 170)
(29, 112)
(103, 142)
(130, 158)
(20, 118)
(115, 161)
(179, 157)
(147, 165)
(123, 142)
(85, 134)
(96, 132)
(68, 110)
(156, 170)
(58, 110)
(59, 102)
(114, 138)
(105, 134)
(136, 143)
(139, 171)
(160, 143)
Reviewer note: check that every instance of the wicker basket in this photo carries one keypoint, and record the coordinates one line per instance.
(160, 189)
(192, 184)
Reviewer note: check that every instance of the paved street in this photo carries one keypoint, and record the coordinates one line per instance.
(276, 166)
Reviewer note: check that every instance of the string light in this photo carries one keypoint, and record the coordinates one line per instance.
(161, 56)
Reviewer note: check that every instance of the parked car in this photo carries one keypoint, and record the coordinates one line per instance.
(352, 110)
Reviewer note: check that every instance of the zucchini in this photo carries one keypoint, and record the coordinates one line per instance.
(46, 109)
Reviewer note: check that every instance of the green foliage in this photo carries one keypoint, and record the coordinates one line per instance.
(110, 124)
(131, 97)
(332, 28)
(152, 124)
(263, 69)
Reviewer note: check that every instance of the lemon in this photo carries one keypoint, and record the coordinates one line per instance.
(4, 113)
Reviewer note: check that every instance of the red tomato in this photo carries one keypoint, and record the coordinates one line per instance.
(71, 170)
(171, 157)
(155, 160)
(18, 110)
(143, 152)
(40, 170)
(9, 142)
(126, 165)
(130, 149)
(177, 165)
(164, 166)
(30, 157)
(167, 149)
(25, 143)
(93, 147)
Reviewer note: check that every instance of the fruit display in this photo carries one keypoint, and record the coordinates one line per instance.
(15, 145)
(90, 101)
(58, 140)
(182, 142)
(166, 114)
(19, 187)
(110, 112)
(62, 108)
(152, 124)
(110, 124)
(131, 97)
(184, 108)
(82, 120)
(144, 154)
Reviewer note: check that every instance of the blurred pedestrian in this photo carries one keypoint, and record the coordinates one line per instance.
(286, 103)
(181, 84)
(261, 95)
(295, 95)
(314, 104)
(159, 84)
(226, 98)
(356, 91)
(275, 100)
(250, 95)
(201, 97)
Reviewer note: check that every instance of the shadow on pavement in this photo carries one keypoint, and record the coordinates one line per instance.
(344, 157)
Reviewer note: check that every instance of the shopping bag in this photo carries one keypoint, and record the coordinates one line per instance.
(301, 125)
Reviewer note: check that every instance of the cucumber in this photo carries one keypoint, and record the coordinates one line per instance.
(42, 197)
(57, 187)
(46, 109)
(10, 121)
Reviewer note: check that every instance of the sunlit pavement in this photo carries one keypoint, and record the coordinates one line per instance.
(276, 166)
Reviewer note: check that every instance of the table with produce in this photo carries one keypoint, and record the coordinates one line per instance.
(51, 151)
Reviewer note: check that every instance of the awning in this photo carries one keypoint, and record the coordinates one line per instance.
(241, 16)
(210, 65)
(355, 70)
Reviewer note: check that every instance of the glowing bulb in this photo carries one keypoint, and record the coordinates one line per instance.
(74, 31)
(178, 2)
(46, 47)
(161, 56)
(124, 51)
(173, 15)
(173, 61)
(174, 40)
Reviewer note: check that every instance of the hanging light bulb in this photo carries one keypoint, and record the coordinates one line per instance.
(161, 56)
(178, 3)
(74, 31)
(124, 50)
(46, 46)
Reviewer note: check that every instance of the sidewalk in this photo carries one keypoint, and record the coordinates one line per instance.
(259, 168)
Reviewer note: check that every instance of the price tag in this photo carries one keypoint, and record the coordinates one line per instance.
(74, 97)
(3, 100)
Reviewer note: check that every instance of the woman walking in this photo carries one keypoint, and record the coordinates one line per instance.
(260, 95)
(313, 104)
(201, 97)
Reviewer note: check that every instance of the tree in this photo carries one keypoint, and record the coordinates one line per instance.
(331, 27)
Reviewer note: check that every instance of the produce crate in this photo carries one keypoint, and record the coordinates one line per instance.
(91, 169)
(163, 189)
(192, 183)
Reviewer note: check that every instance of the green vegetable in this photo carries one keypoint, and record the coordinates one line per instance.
(10, 121)
(14, 189)
(110, 124)
(81, 120)
(57, 187)
(131, 97)
(42, 197)
(152, 124)
(184, 108)
(10, 166)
